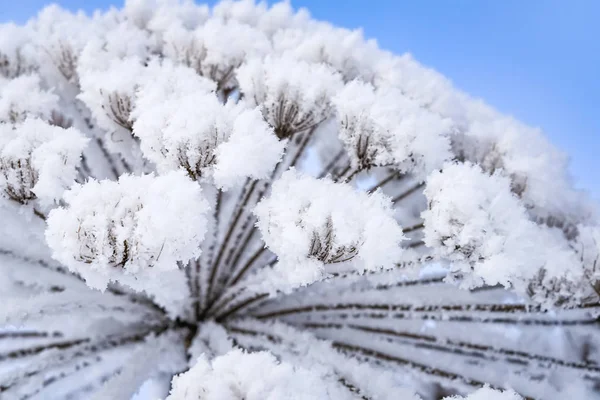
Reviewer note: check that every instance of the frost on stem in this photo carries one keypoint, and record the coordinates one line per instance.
(193, 131)
(253, 376)
(311, 224)
(38, 160)
(113, 229)
(293, 95)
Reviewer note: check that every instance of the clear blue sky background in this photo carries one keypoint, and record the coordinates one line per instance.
(538, 60)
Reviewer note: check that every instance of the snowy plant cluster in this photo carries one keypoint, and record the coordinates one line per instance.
(241, 202)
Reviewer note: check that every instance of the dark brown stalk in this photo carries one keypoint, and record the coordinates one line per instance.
(384, 181)
(237, 214)
(413, 228)
(329, 167)
(240, 274)
(410, 191)
(240, 306)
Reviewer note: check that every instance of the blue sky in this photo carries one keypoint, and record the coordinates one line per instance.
(538, 60)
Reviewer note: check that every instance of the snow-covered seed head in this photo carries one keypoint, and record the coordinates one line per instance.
(18, 179)
(475, 220)
(215, 49)
(195, 132)
(14, 60)
(38, 160)
(59, 38)
(23, 97)
(182, 46)
(113, 228)
(253, 376)
(293, 95)
(582, 284)
(109, 93)
(385, 128)
(225, 46)
(64, 58)
(318, 223)
(347, 52)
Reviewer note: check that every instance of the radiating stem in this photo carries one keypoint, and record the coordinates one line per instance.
(228, 236)
(383, 182)
(242, 305)
(407, 193)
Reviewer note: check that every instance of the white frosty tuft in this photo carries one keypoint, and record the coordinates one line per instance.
(310, 223)
(38, 160)
(193, 131)
(252, 376)
(112, 229)
(109, 93)
(385, 128)
(23, 97)
(293, 95)
(476, 222)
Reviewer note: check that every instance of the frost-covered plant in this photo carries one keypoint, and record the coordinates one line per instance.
(240, 202)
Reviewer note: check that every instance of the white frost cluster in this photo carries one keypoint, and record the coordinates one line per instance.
(14, 59)
(216, 48)
(165, 80)
(110, 93)
(122, 41)
(38, 160)
(23, 97)
(159, 15)
(383, 127)
(113, 229)
(310, 223)
(345, 51)
(269, 20)
(537, 170)
(293, 95)
(252, 376)
(482, 135)
(476, 222)
(60, 36)
(227, 45)
(192, 130)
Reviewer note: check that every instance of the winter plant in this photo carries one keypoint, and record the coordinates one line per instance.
(241, 202)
